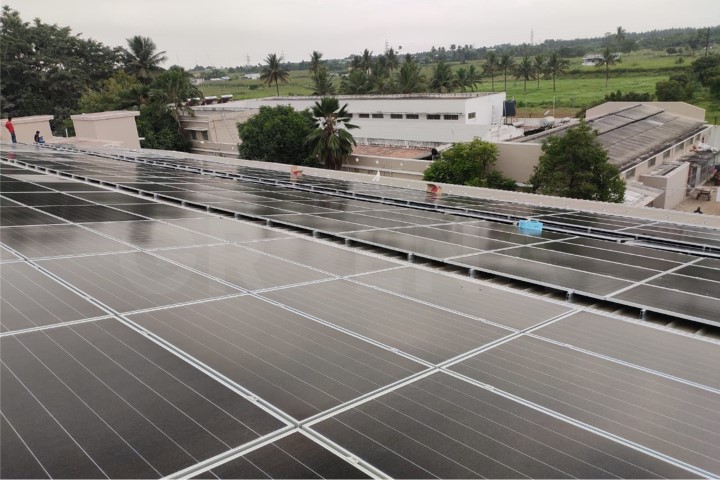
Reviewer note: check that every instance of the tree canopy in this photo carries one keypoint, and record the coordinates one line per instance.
(44, 69)
(142, 58)
(576, 165)
(331, 141)
(274, 72)
(464, 164)
(276, 134)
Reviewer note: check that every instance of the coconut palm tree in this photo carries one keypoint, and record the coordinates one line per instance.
(274, 72)
(442, 80)
(607, 58)
(173, 88)
(506, 64)
(366, 61)
(322, 83)
(539, 64)
(473, 77)
(525, 70)
(490, 67)
(331, 142)
(315, 62)
(142, 58)
(393, 60)
(556, 65)
(410, 78)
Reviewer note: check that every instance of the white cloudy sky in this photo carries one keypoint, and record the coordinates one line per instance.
(225, 32)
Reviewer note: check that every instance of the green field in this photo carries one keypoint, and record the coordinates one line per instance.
(578, 88)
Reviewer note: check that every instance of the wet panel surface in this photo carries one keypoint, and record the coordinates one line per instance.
(294, 363)
(56, 240)
(295, 456)
(442, 427)
(665, 351)
(426, 332)
(133, 281)
(98, 399)
(670, 417)
(464, 295)
(32, 299)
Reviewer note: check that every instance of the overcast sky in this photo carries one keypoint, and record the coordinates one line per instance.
(226, 32)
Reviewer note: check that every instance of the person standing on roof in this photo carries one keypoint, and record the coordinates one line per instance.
(11, 129)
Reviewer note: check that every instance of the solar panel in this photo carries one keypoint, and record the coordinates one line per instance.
(213, 346)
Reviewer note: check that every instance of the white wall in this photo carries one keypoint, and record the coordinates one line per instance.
(25, 128)
(118, 126)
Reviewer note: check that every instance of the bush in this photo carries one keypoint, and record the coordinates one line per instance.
(463, 163)
(276, 134)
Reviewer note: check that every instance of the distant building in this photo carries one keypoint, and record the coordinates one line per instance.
(593, 60)
(252, 76)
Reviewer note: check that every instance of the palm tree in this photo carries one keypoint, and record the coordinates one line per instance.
(322, 83)
(174, 88)
(538, 66)
(274, 72)
(473, 77)
(607, 58)
(525, 70)
(490, 67)
(142, 59)
(315, 62)
(506, 62)
(410, 78)
(366, 61)
(331, 142)
(355, 83)
(462, 79)
(442, 80)
(393, 60)
(556, 65)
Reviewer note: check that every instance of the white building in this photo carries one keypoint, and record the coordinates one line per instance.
(425, 120)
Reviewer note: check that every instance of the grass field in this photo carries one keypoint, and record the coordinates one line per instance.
(579, 88)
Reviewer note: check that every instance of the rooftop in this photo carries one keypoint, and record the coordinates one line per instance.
(174, 315)
(635, 133)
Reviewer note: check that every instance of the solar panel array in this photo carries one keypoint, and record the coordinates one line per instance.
(146, 339)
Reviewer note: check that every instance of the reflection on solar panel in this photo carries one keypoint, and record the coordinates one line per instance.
(142, 338)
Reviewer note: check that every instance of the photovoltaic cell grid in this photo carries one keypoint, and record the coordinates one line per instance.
(135, 347)
(621, 273)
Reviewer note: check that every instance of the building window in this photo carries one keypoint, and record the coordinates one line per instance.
(433, 117)
(451, 117)
(412, 116)
(350, 115)
(396, 115)
(471, 115)
(651, 162)
(205, 135)
(378, 115)
(364, 115)
(630, 173)
(666, 154)
(193, 134)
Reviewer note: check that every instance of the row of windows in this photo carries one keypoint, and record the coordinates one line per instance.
(413, 116)
(203, 135)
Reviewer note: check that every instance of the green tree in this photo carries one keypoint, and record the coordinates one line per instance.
(703, 67)
(576, 165)
(442, 79)
(355, 83)
(392, 59)
(276, 134)
(410, 78)
(171, 90)
(463, 163)
(45, 69)
(322, 83)
(506, 64)
(539, 65)
(111, 94)
(490, 67)
(556, 66)
(525, 70)
(142, 58)
(274, 72)
(607, 58)
(330, 141)
(315, 62)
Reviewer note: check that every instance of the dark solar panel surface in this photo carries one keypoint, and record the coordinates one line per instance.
(164, 344)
